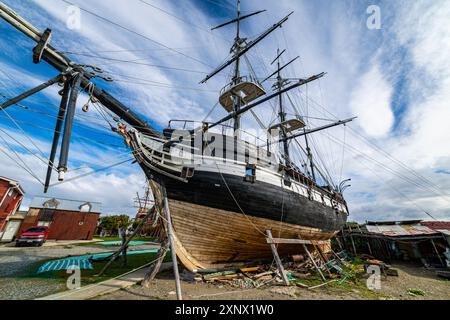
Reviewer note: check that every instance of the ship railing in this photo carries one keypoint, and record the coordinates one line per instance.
(184, 153)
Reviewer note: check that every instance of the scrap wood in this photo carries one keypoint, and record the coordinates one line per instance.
(375, 262)
(301, 285)
(259, 275)
(322, 284)
(251, 269)
(300, 275)
(217, 274)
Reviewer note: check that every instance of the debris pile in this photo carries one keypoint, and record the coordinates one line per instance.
(331, 267)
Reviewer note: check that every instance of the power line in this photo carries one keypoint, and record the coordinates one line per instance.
(182, 20)
(139, 63)
(428, 183)
(136, 33)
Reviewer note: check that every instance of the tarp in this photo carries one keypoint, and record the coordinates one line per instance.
(64, 264)
(84, 261)
(118, 243)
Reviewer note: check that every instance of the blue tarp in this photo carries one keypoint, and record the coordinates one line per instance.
(64, 264)
(118, 243)
(84, 261)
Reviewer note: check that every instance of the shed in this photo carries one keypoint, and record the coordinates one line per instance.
(404, 240)
(66, 219)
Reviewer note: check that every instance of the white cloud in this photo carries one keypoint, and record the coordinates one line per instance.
(371, 101)
(330, 38)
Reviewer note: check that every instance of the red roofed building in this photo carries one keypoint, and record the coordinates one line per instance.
(11, 195)
(437, 225)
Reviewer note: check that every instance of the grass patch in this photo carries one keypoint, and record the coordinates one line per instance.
(415, 292)
(354, 283)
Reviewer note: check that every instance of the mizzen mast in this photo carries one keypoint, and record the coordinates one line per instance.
(285, 126)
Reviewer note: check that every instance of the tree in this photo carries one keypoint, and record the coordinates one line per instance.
(111, 224)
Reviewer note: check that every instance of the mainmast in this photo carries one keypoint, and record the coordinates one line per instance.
(236, 78)
(281, 113)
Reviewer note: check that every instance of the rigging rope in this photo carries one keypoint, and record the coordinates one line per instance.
(136, 33)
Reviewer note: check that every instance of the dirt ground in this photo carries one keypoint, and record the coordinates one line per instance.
(410, 278)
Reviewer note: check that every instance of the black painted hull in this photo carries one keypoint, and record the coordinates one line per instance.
(258, 199)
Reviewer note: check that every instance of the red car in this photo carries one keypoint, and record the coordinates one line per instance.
(34, 236)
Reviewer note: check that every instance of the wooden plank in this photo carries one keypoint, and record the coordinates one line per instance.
(314, 263)
(277, 259)
(206, 238)
(437, 253)
(293, 241)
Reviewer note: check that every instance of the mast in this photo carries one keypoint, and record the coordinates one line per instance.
(236, 77)
(310, 157)
(281, 113)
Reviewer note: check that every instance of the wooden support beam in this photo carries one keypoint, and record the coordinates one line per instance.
(339, 243)
(437, 252)
(314, 262)
(117, 253)
(149, 276)
(353, 242)
(291, 241)
(277, 257)
(322, 256)
(171, 241)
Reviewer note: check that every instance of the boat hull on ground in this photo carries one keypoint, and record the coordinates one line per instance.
(220, 220)
(208, 238)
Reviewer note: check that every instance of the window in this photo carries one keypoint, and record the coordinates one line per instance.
(250, 173)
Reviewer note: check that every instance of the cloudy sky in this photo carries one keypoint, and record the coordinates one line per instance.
(394, 74)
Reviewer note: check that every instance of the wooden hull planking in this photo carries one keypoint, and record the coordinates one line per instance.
(208, 238)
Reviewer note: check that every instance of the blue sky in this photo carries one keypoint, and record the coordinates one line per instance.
(395, 79)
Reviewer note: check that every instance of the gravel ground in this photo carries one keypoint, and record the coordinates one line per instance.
(16, 262)
(392, 288)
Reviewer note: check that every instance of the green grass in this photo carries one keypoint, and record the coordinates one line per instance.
(354, 283)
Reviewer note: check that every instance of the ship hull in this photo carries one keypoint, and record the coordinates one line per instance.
(220, 219)
(207, 238)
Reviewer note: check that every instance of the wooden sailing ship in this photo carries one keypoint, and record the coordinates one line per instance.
(223, 191)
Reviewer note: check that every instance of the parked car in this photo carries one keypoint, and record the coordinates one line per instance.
(34, 236)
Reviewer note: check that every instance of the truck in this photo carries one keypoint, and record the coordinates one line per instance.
(34, 236)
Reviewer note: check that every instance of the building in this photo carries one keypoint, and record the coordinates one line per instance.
(11, 195)
(66, 219)
(400, 240)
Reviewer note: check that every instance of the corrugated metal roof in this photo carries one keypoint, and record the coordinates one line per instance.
(65, 204)
(437, 225)
(400, 230)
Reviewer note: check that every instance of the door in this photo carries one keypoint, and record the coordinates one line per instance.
(11, 230)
